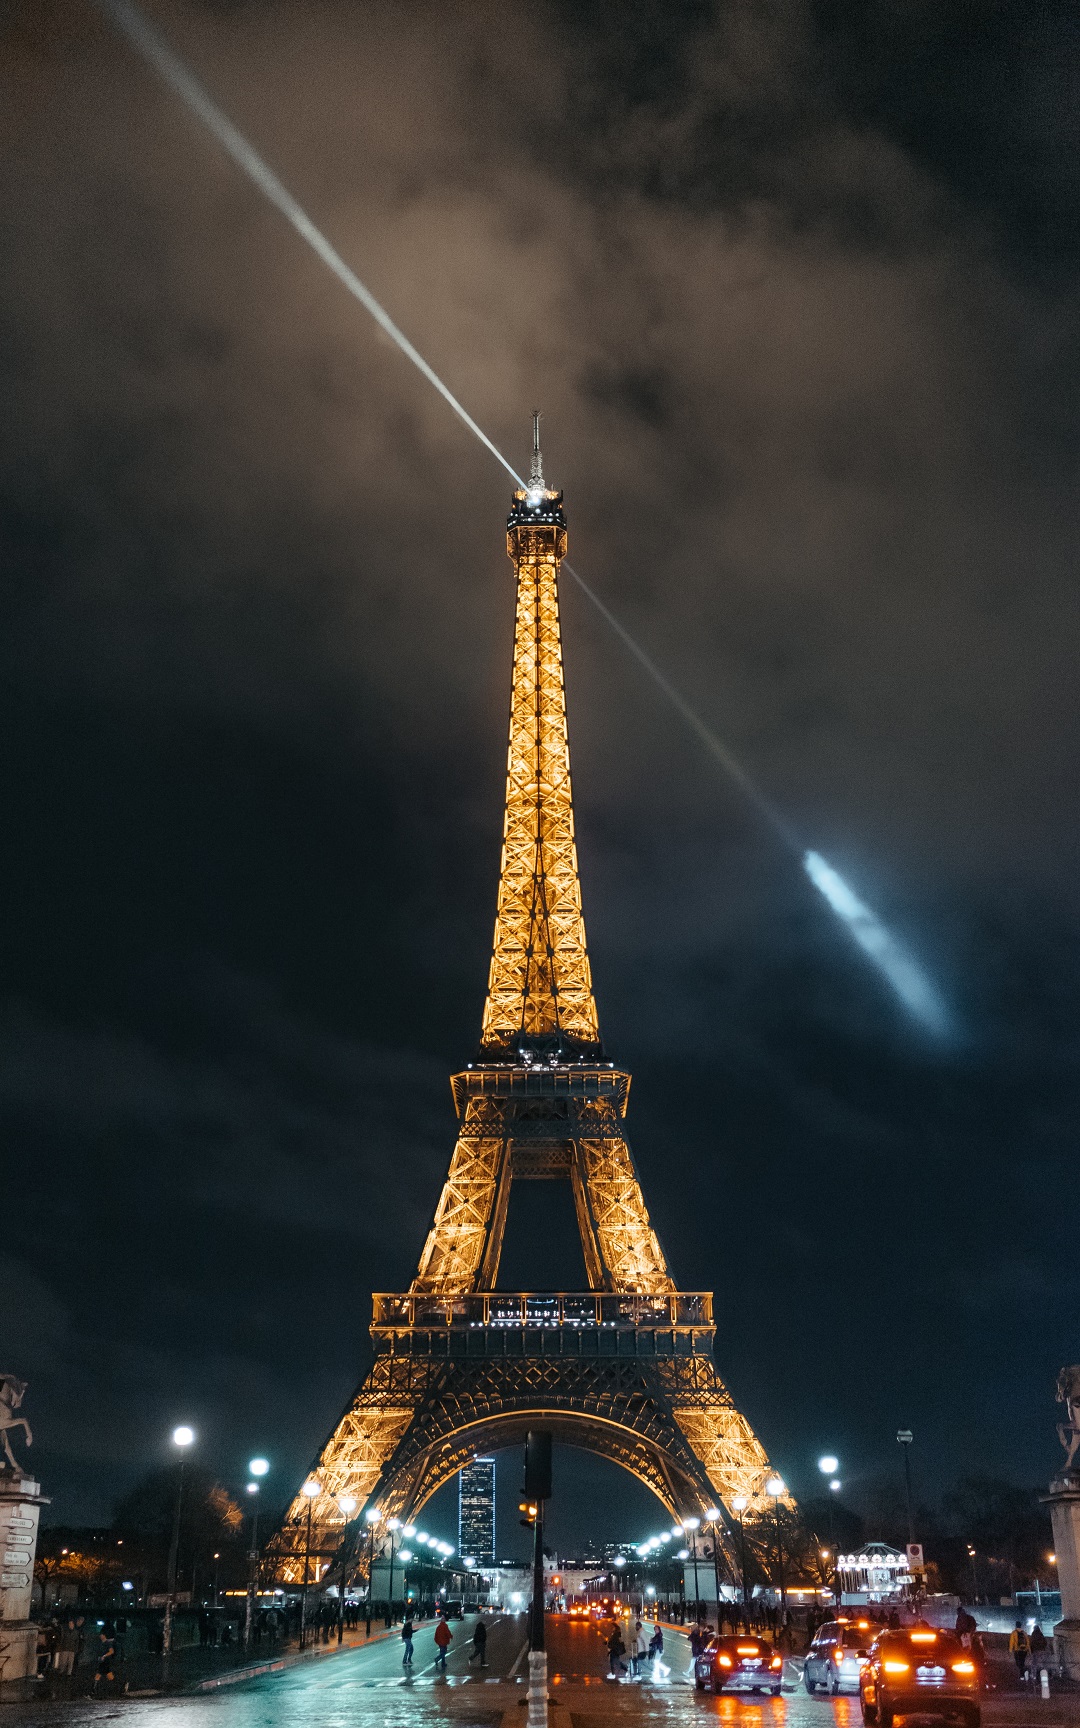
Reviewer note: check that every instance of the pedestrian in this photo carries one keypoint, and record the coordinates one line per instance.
(106, 1663)
(616, 1652)
(479, 1643)
(656, 1651)
(443, 1637)
(1019, 1648)
(1038, 1644)
(67, 1646)
(406, 1639)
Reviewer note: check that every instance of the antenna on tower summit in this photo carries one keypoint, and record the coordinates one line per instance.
(536, 472)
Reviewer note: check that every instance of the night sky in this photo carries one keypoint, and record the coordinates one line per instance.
(796, 286)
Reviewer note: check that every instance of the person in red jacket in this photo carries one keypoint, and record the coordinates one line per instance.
(443, 1635)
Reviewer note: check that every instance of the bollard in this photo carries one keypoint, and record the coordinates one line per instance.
(538, 1689)
(1044, 1683)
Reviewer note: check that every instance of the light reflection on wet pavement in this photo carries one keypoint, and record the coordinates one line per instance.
(365, 1688)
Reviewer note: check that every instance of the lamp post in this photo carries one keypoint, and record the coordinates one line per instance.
(974, 1576)
(775, 1487)
(904, 1438)
(182, 1437)
(693, 1525)
(828, 1466)
(348, 1507)
(393, 1525)
(257, 1469)
(738, 1505)
(712, 1516)
(372, 1518)
(310, 1491)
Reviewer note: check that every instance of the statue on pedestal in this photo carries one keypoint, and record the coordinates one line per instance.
(1068, 1393)
(12, 1392)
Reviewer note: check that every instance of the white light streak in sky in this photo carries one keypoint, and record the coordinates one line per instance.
(919, 995)
(917, 991)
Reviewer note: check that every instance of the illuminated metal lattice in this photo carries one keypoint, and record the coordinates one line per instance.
(625, 1368)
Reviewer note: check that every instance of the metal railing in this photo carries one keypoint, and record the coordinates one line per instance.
(591, 1310)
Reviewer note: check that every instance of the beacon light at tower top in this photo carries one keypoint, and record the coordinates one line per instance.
(895, 965)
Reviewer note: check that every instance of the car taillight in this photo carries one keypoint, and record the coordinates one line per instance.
(897, 1667)
(963, 1667)
(724, 1661)
(777, 1662)
(838, 1657)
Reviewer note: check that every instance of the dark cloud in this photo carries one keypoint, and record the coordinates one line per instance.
(796, 288)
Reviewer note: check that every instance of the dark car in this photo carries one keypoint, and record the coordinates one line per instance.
(919, 1672)
(835, 1658)
(739, 1665)
(453, 1610)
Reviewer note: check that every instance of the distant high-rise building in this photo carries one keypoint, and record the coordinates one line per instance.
(476, 1511)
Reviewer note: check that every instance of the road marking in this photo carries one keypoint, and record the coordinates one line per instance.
(521, 1655)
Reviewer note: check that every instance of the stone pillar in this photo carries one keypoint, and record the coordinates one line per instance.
(20, 1509)
(1064, 1503)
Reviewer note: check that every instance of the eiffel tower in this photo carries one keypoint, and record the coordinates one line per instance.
(624, 1368)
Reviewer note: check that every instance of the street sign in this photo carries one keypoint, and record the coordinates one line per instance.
(915, 1556)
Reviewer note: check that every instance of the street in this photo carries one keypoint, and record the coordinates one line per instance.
(367, 1686)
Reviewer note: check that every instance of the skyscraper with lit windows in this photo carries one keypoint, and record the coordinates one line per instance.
(476, 1511)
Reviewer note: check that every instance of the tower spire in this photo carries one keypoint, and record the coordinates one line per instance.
(540, 1003)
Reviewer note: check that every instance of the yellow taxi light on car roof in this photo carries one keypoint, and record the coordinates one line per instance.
(963, 1667)
(897, 1667)
(924, 1637)
(863, 1625)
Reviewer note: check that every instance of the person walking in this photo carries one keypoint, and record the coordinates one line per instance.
(1038, 1644)
(106, 1663)
(443, 1638)
(639, 1651)
(1019, 1649)
(656, 1651)
(406, 1639)
(479, 1643)
(616, 1652)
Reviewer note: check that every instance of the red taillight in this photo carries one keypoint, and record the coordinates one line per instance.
(777, 1662)
(724, 1661)
(963, 1667)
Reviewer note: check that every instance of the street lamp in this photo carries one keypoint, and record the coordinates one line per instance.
(310, 1491)
(257, 1469)
(829, 1465)
(693, 1525)
(182, 1437)
(348, 1507)
(393, 1525)
(775, 1487)
(974, 1576)
(372, 1518)
(738, 1505)
(904, 1438)
(712, 1516)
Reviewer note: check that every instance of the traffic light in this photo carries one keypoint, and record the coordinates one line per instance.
(528, 1510)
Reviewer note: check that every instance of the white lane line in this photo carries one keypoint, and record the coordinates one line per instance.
(519, 1659)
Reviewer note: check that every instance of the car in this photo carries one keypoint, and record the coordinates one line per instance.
(835, 1658)
(453, 1611)
(919, 1672)
(738, 1665)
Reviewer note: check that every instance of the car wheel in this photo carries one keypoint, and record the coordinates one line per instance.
(811, 1685)
(869, 1714)
(775, 1690)
(885, 1716)
(834, 1686)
